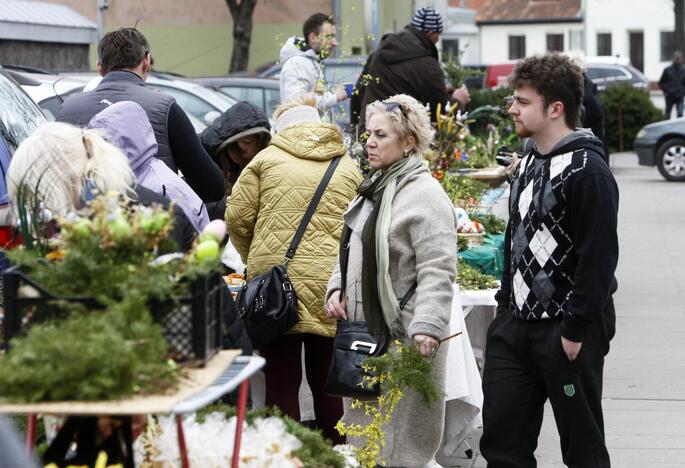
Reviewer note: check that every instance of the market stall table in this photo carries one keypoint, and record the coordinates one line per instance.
(223, 373)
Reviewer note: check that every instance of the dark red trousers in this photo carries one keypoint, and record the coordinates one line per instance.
(283, 373)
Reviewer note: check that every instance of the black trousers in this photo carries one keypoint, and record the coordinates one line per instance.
(525, 365)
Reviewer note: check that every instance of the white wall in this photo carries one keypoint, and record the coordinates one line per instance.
(494, 39)
(619, 17)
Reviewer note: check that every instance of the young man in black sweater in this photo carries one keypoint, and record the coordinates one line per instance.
(555, 315)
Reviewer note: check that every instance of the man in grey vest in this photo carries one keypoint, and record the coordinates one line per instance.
(124, 62)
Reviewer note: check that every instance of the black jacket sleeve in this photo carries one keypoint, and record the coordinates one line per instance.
(593, 211)
(201, 173)
(503, 295)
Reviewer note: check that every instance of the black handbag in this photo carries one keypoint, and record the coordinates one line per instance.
(267, 303)
(353, 344)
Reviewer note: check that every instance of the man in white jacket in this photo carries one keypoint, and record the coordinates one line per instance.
(302, 70)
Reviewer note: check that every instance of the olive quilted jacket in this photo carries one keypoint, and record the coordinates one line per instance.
(267, 204)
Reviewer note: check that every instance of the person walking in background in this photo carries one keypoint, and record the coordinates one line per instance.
(268, 202)
(555, 313)
(124, 61)
(303, 70)
(672, 83)
(232, 140)
(401, 232)
(407, 63)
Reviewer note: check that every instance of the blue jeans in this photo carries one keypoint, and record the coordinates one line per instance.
(670, 101)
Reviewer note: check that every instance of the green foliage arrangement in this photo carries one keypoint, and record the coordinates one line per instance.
(455, 73)
(110, 348)
(90, 356)
(399, 369)
(315, 451)
(491, 224)
(627, 110)
(462, 190)
(470, 278)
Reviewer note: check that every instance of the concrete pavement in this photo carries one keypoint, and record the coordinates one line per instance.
(644, 384)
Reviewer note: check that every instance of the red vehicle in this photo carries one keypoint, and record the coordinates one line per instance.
(497, 75)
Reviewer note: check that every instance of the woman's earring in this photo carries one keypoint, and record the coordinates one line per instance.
(406, 153)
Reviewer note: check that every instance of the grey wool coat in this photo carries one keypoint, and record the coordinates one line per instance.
(423, 248)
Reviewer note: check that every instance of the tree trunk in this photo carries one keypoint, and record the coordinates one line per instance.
(242, 32)
(679, 31)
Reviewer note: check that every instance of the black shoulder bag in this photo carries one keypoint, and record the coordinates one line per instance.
(267, 303)
(353, 344)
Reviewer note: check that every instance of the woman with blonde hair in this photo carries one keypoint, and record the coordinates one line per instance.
(399, 245)
(263, 212)
(64, 166)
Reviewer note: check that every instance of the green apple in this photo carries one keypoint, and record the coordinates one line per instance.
(207, 250)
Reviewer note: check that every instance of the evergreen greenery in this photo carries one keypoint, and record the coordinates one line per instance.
(470, 278)
(626, 110)
(491, 224)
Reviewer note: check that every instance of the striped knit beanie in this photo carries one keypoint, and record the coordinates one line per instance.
(427, 19)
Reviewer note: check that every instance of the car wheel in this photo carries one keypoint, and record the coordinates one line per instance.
(670, 159)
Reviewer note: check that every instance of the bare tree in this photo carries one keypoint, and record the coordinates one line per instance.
(679, 32)
(241, 11)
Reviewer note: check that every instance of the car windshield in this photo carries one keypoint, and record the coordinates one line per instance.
(19, 116)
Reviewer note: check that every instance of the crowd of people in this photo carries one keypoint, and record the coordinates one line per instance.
(555, 315)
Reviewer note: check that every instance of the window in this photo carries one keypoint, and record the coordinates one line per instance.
(555, 42)
(254, 96)
(667, 46)
(604, 44)
(517, 47)
(450, 48)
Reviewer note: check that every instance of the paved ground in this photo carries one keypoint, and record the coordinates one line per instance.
(644, 396)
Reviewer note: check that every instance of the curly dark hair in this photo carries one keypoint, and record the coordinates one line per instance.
(557, 78)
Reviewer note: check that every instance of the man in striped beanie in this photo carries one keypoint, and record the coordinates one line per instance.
(407, 63)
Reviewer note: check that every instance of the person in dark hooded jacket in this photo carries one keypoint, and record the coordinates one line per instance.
(232, 140)
(407, 63)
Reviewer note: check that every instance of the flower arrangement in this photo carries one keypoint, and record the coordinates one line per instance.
(268, 439)
(399, 369)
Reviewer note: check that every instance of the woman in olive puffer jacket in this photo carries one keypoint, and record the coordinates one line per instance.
(265, 208)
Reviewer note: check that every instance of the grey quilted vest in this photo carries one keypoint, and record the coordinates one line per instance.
(123, 86)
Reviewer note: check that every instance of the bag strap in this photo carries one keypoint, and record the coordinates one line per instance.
(407, 296)
(311, 209)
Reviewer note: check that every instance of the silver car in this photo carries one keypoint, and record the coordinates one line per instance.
(662, 144)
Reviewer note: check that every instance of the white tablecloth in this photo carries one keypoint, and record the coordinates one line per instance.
(464, 394)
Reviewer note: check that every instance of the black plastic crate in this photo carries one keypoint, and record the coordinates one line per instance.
(192, 327)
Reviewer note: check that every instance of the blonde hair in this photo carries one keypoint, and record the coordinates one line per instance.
(57, 160)
(410, 118)
(307, 99)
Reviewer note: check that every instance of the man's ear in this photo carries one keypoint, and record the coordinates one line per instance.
(556, 109)
(101, 69)
(146, 64)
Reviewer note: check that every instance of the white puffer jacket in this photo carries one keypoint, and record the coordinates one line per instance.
(303, 73)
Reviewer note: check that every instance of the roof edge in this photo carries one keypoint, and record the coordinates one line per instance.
(574, 19)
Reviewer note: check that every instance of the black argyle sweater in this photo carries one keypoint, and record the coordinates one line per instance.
(561, 246)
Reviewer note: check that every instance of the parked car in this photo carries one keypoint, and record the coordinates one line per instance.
(662, 144)
(19, 117)
(47, 90)
(337, 71)
(261, 92)
(606, 72)
(202, 104)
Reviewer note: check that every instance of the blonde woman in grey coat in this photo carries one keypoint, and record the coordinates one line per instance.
(403, 232)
